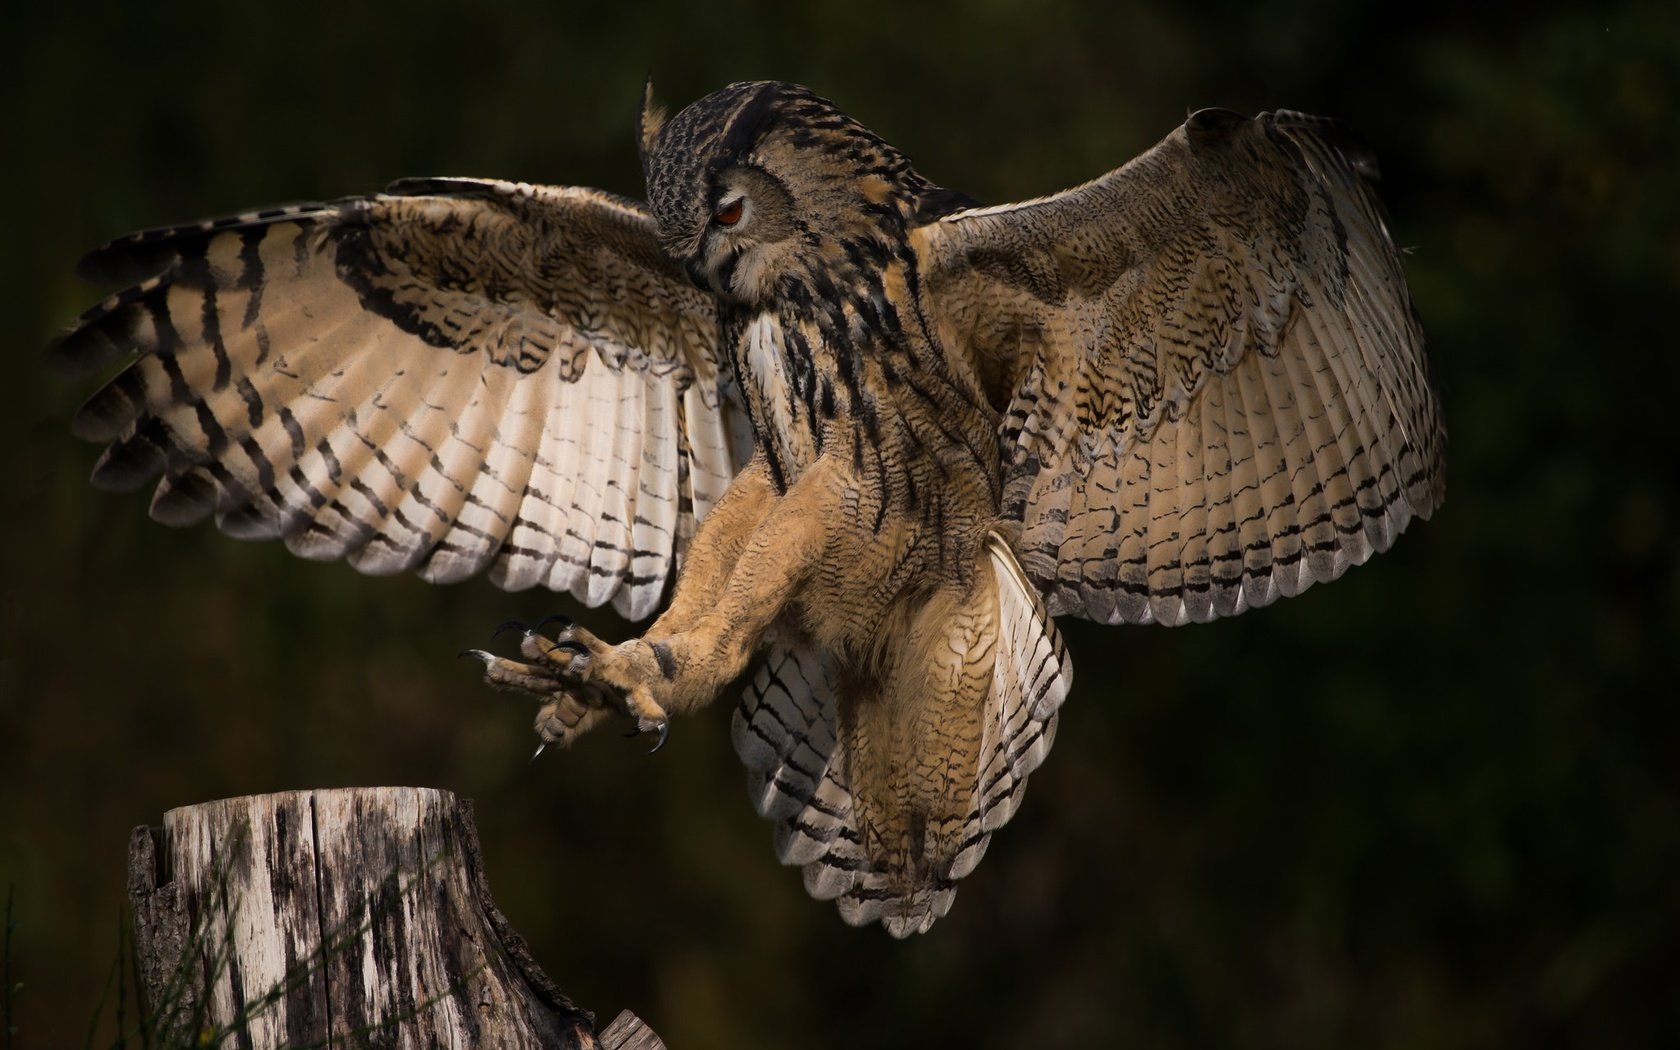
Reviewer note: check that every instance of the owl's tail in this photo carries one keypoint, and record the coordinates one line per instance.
(887, 794)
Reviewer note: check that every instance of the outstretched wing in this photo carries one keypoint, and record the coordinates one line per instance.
(1210, 373)
(450, 377)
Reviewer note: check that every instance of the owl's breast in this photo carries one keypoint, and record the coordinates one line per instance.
(780, 393)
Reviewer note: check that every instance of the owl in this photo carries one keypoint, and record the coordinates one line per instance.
(852, 435)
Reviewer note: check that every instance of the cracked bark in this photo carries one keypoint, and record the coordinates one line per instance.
(349, 917)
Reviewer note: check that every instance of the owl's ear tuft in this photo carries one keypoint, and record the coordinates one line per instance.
(648, 124)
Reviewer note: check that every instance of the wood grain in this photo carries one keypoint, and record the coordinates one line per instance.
(347, 917)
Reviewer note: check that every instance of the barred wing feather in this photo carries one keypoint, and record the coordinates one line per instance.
(451, 377)
(1209, 370)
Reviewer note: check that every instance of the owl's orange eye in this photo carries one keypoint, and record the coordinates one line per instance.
(729, 214)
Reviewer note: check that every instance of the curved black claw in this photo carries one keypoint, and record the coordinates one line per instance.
(579, 659)
(477, 653)
(560, 618)
(508, 625)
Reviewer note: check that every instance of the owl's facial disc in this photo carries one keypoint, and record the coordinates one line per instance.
(746, 237)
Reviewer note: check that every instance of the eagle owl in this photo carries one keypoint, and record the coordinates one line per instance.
(867, 436)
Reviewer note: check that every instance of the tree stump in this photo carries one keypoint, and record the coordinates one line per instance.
(352, 917)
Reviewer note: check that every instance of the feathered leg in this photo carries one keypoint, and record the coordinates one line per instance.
(749, 558)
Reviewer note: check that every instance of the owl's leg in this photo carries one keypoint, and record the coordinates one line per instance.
(718, 620)
(717, 548)
(574, 675)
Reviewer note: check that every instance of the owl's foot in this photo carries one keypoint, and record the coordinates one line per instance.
(579, 680)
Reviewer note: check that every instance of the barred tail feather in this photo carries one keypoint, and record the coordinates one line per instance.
(829, 769)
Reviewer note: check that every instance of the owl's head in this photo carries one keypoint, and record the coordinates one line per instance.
(764, 180)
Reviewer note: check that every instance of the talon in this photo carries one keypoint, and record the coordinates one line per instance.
(508, 625)
(663, 726)
(559, 618)
(479, 653)
(535, 754)
(580, 654)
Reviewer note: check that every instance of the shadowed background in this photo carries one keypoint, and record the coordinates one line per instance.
(1434, 804)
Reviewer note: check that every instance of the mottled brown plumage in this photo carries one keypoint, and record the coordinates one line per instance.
(884, 434)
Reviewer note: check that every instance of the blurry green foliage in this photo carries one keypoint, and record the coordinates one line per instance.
(1433, 805)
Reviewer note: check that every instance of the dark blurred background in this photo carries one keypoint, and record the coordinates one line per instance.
(1432, 805)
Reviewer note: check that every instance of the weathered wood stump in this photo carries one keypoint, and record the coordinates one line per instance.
(352, 917)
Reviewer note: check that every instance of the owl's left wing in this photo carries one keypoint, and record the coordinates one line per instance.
(1210, 372)
(450, 377)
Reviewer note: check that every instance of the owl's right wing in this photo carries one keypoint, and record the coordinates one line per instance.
(1209, 371)
(449, 377)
